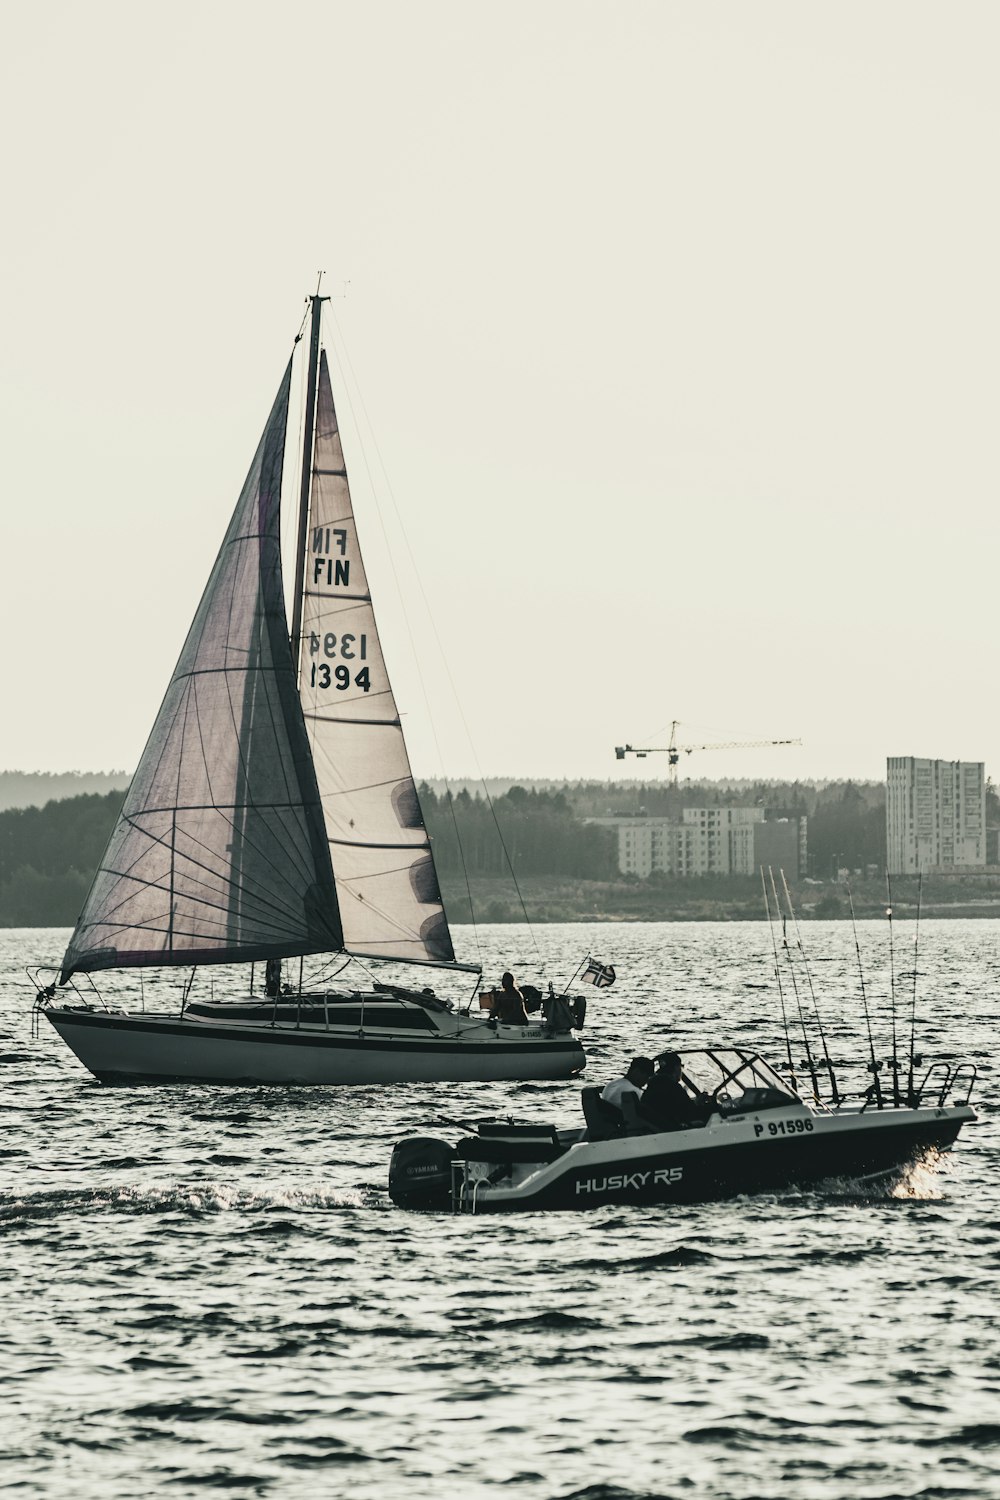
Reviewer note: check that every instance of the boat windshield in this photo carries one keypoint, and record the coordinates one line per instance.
(731, 1075)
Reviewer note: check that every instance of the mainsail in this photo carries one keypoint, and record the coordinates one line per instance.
(387, 888)
(220, 852)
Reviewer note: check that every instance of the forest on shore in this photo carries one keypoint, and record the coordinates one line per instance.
(529, 851)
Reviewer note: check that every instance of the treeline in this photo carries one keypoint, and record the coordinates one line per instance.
(34, 788)
(532, 832)
(48, 856)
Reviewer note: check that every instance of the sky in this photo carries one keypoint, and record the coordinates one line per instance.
(666, 346)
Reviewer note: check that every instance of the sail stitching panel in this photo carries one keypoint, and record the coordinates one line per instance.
(365, 723)
(353, 598)
(369, 785)
(368, 844)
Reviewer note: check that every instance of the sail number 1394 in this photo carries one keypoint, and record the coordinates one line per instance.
(352, 648)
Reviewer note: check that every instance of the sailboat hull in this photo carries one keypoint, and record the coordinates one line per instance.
(121, 1048)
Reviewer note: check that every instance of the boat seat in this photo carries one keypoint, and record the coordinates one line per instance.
(635, 1123)
(507, 1152)
(604, 1121)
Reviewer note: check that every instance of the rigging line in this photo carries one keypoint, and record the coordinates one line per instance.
(777, 975)
(913, 1006)
(305, 320)
(795, 989)
(406, 933)
(318, 975)
(805, 963)
(513, 876)
(892, 994)
(341, 344)
(873, 1065)
(465, 872)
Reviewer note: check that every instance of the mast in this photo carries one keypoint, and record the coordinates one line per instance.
(307, 464)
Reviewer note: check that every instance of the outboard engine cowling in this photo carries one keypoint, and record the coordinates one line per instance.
(420, 1173)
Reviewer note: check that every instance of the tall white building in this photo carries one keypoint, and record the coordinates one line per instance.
(935, 814)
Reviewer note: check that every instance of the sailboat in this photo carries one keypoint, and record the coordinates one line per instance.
(273, 816)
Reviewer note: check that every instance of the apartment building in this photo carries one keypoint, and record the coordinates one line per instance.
(935, 814)
(709, 841)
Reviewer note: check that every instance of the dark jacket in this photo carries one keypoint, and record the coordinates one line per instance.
(668, 1104)
(508, 1007)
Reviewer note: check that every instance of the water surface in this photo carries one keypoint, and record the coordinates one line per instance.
(206, 1288)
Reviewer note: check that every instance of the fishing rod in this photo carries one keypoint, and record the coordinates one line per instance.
(894, 1064)
(777, 975)
(874, 1065)
(795, 987)
(834, 1091)
(913, 1006)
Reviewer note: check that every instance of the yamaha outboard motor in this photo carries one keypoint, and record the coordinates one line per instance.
(420, 1173)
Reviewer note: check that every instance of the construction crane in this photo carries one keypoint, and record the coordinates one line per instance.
(673, 751)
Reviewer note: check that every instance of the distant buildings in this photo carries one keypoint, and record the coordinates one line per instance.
(710, 841)
(935, 814)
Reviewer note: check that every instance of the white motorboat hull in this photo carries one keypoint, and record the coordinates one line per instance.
(725, 1158)
(118, 1047)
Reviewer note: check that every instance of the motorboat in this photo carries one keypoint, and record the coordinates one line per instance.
(757, 1133)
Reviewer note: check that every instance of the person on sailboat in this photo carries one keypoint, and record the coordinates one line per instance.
(665, 1101)
(509, 1004)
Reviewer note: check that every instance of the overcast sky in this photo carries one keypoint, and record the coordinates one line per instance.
(676, 326)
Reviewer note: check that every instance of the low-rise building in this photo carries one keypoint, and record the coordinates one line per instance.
(709, 841)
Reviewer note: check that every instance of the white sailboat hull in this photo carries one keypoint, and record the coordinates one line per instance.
(121, 1048)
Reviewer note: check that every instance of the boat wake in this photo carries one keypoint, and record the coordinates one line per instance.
(917, 1181)
(194, 1200)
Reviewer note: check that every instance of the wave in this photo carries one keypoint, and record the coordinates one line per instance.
(191, 1199)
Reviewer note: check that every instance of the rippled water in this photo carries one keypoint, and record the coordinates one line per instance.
(205, 1288)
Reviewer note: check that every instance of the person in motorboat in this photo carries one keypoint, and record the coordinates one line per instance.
(508, 1005)
(665, 1101)
(640, 1071)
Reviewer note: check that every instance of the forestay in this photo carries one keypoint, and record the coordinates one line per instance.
(220, 853)
(388, 893)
